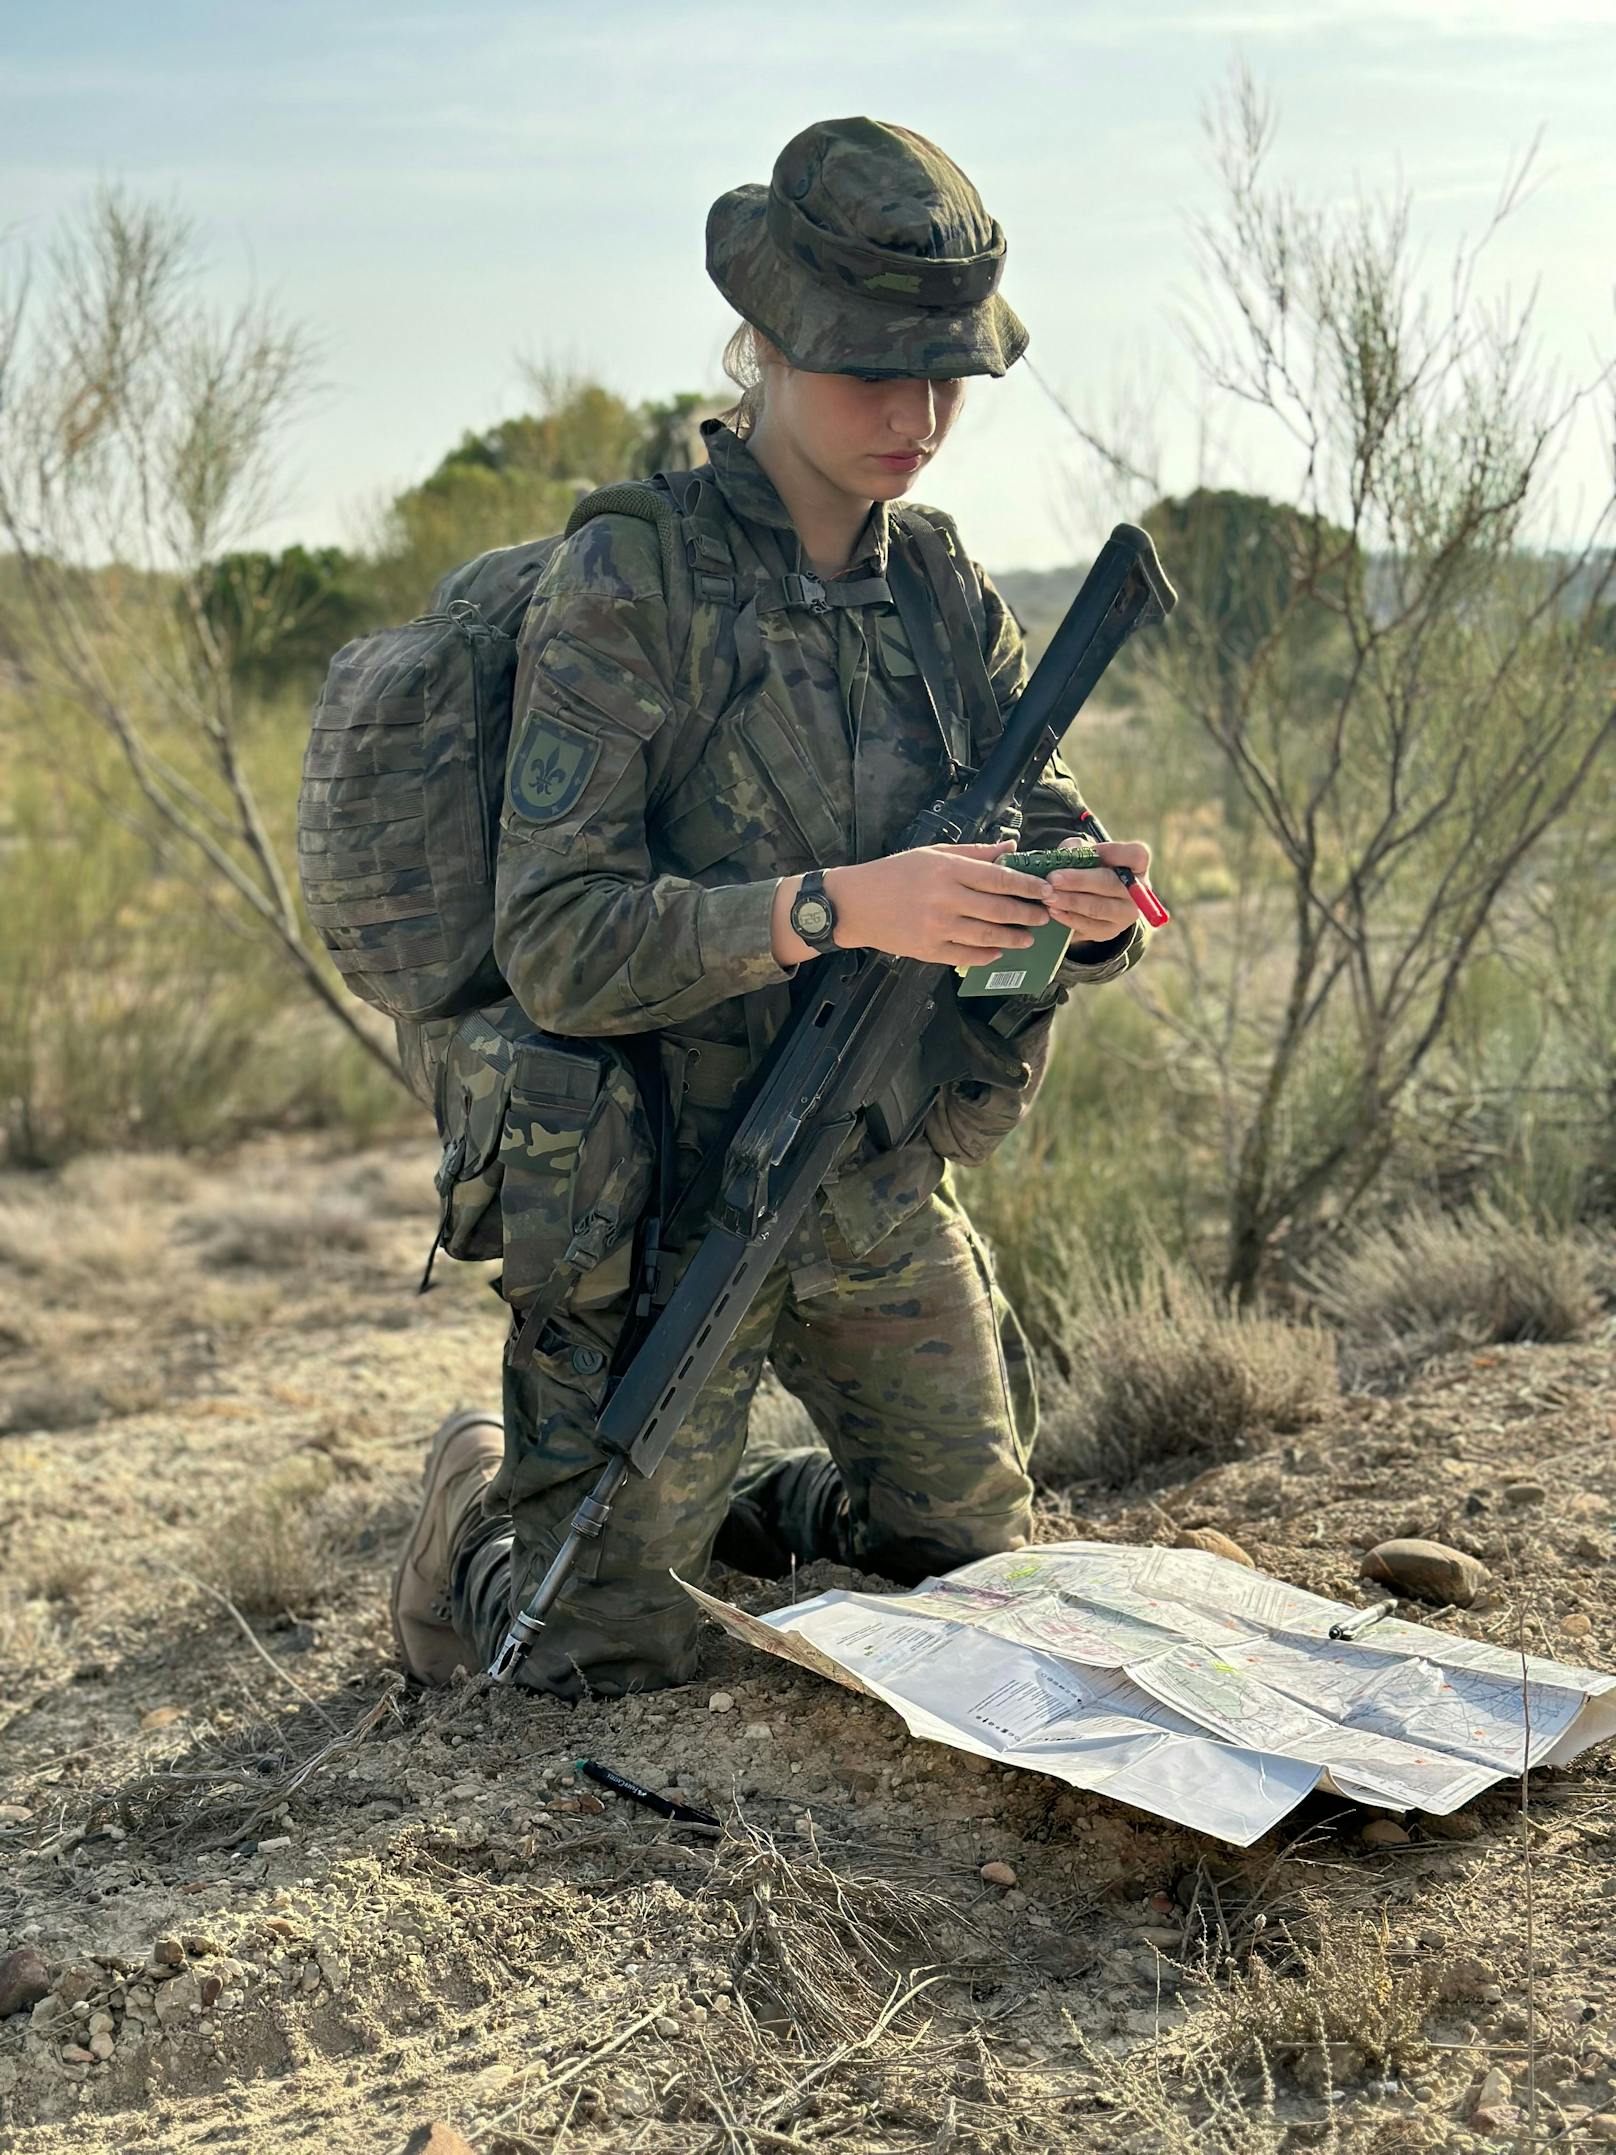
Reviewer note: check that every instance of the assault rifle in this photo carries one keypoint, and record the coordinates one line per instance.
(856, 1021)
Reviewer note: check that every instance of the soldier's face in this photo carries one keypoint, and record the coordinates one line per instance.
(871, 438)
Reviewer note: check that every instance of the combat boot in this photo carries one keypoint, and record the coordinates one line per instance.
(464, 1458)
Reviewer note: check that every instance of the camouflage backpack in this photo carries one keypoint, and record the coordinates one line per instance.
(548, 1155)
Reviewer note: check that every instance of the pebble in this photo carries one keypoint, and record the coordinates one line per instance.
(24, 1980)
(169, 1952)
(760, 1731)
(667, 2026)
(1428, 1570)
(1602, 2125)
(1209, 1540)
(1164, 1937)
(997, 1874)
(161, 1716)
(1450, 1825)
(101, 2045)
(1384, 1833)
(1496, 2088)
(1494, 2118)
(279, 1840)
(1576, 1625)
(1524, 1492)
(721, 1702)
(436, 2139)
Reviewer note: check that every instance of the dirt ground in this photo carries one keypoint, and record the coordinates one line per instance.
(282, 1903)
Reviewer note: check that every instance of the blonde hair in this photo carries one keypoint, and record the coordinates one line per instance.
(745, 369)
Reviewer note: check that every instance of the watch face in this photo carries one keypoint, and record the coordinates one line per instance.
(813, 917)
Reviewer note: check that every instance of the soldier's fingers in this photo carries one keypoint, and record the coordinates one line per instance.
(1126, 853)
(971, 953)
(988, 851)
(983, 905)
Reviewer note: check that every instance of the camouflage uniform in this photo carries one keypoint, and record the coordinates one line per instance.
(654, 798)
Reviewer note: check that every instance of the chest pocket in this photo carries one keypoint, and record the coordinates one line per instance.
(754, 803)
(891, 648)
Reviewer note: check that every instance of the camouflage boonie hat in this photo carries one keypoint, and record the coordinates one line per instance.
(869, 252)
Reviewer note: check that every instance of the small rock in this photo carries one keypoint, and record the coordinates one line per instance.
(1576, 1625)
(1496, 2088)
(1524, 1492)
(76, 2054)
(1494, 2118)
(666, 2026)
(1208, 1539)
(436, 2139)
(1464, 1976)
(102, 2045)
(161, 1716)
(170, 1952)
(101, 2023)
(278, 1840)
(1602, 2125)
(24, 1980)
(1384, 1833)
(211, 1987)
(1166, 1938)
(997, 1874)
(1428, 1570)
(759, 1731)
(1450, 1825)
(721, 1702)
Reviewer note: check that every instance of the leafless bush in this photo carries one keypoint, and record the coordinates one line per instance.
(1162, 1367)
(1432, 1282)
(138, 439)
(1403, 700)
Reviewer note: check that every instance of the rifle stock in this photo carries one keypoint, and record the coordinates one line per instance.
(860, 1014)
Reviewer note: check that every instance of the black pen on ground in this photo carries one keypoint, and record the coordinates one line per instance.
(681, 1814)
(1351, 1626)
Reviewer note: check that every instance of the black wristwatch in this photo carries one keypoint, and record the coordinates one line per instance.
(813, 916)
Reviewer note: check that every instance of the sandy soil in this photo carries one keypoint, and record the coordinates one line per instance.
(284, 1904)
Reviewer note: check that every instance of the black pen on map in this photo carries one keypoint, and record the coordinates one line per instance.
(1351, 1627)
(681, 1814)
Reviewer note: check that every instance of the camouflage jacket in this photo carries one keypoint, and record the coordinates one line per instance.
(654, 798)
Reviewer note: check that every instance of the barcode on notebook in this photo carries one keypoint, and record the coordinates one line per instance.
(1002, 983)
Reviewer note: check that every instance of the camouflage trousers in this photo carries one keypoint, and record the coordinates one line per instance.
(915, 1371)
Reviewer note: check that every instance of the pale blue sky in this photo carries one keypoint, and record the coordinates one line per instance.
(436, 189)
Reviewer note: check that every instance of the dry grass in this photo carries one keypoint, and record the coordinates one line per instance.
(1433, 1281)
(1341, 2005)
(72, 1243)
(1162, 1369)
(272, 1552)
(40, 1405)
(275, 1233)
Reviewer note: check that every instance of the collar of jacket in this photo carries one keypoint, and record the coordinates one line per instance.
(750, 494)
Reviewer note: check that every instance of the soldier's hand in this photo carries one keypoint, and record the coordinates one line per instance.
(951, 905)
(1090, 901)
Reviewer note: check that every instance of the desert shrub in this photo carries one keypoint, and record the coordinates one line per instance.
(130, 1014)
(1433, 1281)
(1342, 2005)
(271, 1551)
(1156, 1366)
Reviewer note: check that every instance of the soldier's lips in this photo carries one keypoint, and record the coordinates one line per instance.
(901, 463)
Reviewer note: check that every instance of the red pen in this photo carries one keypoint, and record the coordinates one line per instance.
(1138, 890)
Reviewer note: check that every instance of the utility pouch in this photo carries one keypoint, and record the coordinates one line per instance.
(548, 1158)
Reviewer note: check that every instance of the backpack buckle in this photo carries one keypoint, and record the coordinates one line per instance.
(802, 589)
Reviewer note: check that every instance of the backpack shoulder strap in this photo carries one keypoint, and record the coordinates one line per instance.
(940, 522)
(698, 568)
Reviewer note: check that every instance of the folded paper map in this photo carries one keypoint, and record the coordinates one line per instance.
(1188, 1685)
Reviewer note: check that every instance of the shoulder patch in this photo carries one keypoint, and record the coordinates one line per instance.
(550, 766)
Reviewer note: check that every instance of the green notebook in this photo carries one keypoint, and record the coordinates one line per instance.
(1029, 970)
